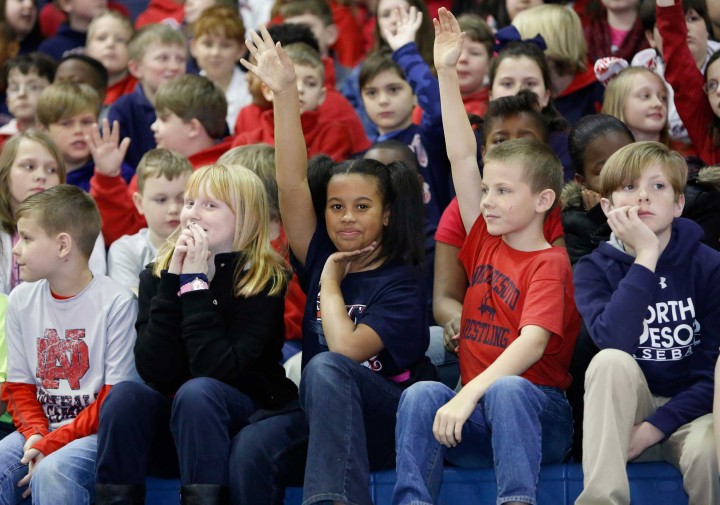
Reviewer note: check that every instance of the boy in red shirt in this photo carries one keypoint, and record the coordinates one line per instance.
(321, 137)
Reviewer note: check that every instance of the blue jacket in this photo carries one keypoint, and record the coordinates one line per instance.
(135, 114)
(669, 320)
(66, 41)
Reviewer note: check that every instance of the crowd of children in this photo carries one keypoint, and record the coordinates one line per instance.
(262, 244)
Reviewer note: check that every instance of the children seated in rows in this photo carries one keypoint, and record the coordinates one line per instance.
(161, 178)
(157, 54)
(190, 118)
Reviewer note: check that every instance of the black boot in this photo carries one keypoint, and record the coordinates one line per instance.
(119, 494)
(204, 494)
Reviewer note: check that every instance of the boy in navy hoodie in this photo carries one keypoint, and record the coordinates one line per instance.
(649, 300)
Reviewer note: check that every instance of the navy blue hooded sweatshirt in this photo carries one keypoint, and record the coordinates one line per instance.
(669, 320)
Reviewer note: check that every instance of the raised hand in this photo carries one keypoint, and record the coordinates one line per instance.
(404, 26)
(105, 149)
(448, 40)
(273, 67)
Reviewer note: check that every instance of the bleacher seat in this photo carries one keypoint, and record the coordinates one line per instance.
(650, 484)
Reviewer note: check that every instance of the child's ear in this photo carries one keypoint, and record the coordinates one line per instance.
(196, 128)
(137, 200)
(323, 95)
(192, 47)
(606, 205)
(545, 201)
(679, 206)
(135, 68)
(386, 217)
(482, 152)
(64, 242)
(579, 179)
(331, 34)
(266, 92)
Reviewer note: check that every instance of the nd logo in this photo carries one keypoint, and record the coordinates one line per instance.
(62, 358)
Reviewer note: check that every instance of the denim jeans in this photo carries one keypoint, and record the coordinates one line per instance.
(141, 428)
(65, 477)
(515, 426)
(266, 457)
(351, 415)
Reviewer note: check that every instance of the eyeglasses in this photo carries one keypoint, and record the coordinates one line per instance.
(711, 86)
(33, 88)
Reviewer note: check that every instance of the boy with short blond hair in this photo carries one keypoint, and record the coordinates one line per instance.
(648, 297)
(107, 41)
(321, 137)
(70, 338)
(218, 44)
(161, 178)
(71, 35)
(157, 54)
(67, 112)
(519, 323)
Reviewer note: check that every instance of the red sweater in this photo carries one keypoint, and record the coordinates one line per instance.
(475, 103)
(29, 417)
(321, 137)
(682, 74)
(120, 88)
(161, 11)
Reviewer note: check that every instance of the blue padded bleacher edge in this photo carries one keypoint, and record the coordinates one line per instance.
(650, 484)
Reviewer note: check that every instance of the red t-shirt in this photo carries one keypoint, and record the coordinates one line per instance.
(511, 289)
(451, 230)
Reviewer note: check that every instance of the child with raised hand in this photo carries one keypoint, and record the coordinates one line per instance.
(515, 344)
(648, 298)
(210, 333)
(30, 163)
(700, 115)
(591, 142)
(507, 118)
(355, 231)
(391, 85)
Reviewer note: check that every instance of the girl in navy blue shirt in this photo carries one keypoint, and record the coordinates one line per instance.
(356, 233)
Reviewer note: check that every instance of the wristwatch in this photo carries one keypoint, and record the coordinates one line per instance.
(194, 285)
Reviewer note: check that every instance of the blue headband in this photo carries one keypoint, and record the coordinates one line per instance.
(509, 34)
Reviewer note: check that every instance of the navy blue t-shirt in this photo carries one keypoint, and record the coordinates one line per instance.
(389, 299)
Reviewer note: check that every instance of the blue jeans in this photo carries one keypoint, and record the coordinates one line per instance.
(267, 456)
(351, 415)
(65, 477)
(136, 424)
(515, 426)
